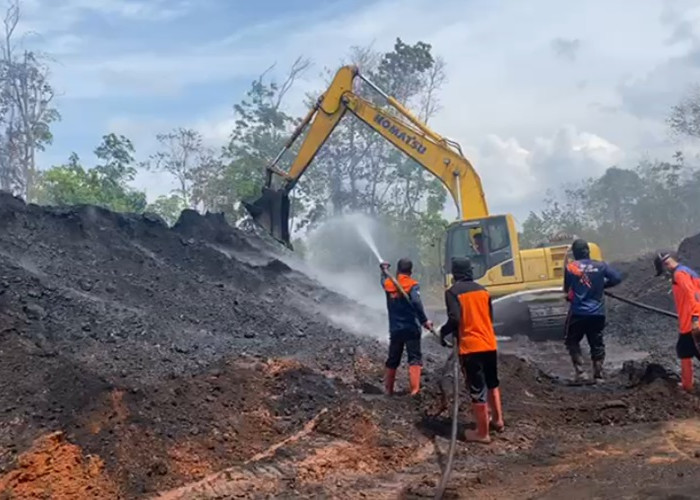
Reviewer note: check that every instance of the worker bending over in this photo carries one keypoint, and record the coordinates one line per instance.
(686, 295)
(585, 280)
(406, 315)
(470, 321)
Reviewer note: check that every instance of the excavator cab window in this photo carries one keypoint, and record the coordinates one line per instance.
(485, 242)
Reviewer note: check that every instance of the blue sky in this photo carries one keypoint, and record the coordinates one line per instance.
(538, 92)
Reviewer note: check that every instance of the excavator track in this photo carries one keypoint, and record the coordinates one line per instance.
(538, 314)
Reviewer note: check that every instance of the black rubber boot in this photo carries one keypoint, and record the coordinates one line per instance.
(577, 360)
(598, 369)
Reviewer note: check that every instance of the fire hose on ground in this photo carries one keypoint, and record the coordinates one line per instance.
(447, 471)
(641, 305)
(454, 356)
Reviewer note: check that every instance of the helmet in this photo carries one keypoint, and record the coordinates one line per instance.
(580, 249)
(462, 268)
(659, 259)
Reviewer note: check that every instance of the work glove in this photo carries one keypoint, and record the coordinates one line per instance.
(443, 336)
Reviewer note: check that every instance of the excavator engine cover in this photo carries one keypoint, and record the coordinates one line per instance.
(271, 211)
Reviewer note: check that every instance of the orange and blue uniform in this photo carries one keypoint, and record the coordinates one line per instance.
(585, 281)
(470, 319)
(686, 294)
(405, 320)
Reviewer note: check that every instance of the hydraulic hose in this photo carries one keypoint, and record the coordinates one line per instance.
(641, 305)
(447, 472)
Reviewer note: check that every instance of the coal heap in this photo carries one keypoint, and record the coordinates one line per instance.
(650, 331)
(96, 305)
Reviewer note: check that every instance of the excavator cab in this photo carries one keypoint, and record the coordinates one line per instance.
(488, 243)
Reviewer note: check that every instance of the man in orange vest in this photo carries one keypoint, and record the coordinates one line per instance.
(406, 316)
(470, 320)
(686, 295)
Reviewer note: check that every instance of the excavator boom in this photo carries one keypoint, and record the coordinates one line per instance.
(442, 157)
(526, 283)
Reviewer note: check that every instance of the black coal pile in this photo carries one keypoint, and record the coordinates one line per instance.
(91, 301)
(689, 252)
(650, 331)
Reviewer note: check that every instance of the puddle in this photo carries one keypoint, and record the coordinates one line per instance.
(553, 358)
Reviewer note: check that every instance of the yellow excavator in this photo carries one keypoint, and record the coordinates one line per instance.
(534, 276)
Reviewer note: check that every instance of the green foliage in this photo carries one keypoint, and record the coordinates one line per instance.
(260, 131)
(627, 212)
(358, 170)
(105, 185)
(168, 207)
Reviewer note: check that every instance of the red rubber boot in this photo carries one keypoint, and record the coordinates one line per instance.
(687, 374)
(496, 410)
(389, 380)
(414, 378)
(481, 433)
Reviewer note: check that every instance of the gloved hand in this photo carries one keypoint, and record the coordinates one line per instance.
(443, 336)
(384, 266)
(428, 325)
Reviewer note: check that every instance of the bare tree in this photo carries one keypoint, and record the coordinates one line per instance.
(298, 68)
(26, 109)
(685, 116)
(180, 155)
(434, 81)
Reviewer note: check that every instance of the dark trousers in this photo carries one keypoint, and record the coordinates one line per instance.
(410, 340)
(686, 348)
(590, 327)
(481, 371)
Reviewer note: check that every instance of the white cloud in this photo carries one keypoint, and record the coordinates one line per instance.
(508, 97)
(516, 177)
(49, 16)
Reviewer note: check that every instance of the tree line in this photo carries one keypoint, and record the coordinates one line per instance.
(629, 211)
(625, 210)
(356, 170)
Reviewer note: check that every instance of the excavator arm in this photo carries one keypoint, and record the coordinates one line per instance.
(440, 156)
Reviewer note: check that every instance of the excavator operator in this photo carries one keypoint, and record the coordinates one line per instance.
(686, 295)
(479, 244)
(406, 315)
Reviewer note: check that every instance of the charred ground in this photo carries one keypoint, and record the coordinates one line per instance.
(136, 359)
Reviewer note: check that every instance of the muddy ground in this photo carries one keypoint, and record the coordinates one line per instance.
(138, 361)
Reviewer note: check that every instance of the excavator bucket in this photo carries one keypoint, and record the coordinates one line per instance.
(271, 211)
